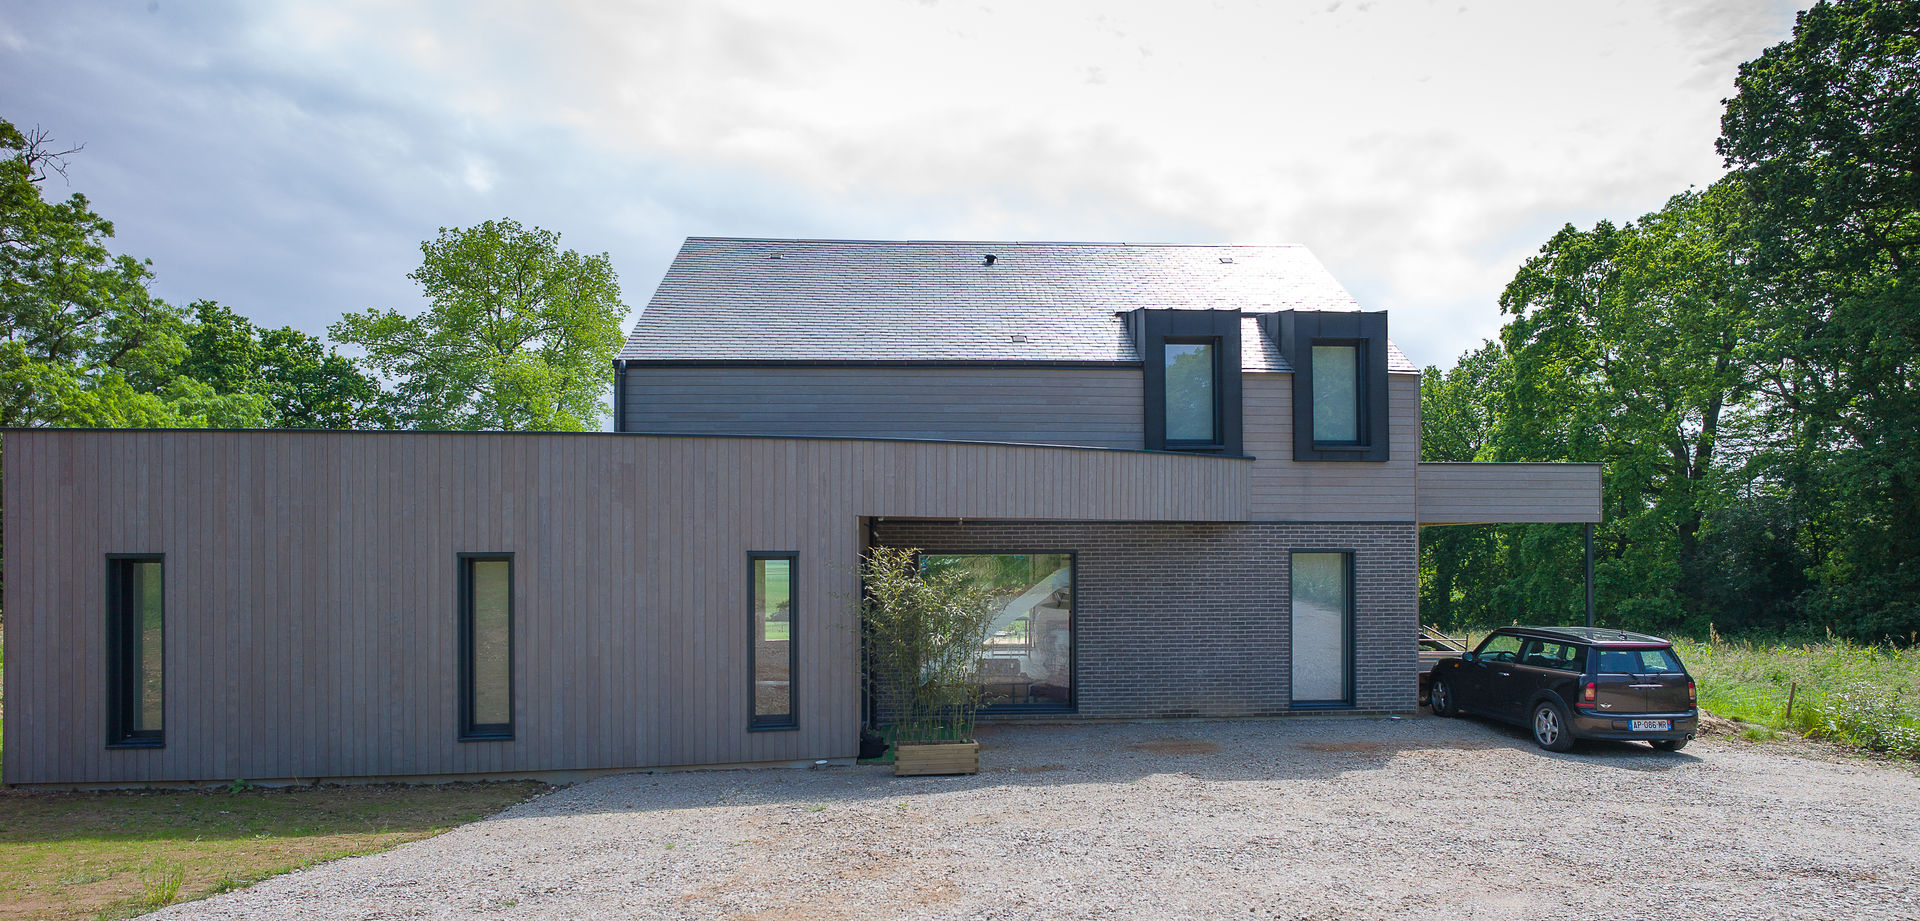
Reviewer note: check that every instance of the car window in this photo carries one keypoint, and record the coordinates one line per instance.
(1543, 654)
(1638, 661)
(1500, 647)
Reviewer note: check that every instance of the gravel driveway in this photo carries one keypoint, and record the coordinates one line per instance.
(1290, 819)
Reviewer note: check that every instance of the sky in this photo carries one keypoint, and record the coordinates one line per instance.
(288, 159)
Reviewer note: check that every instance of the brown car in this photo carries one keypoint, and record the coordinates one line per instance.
(1572, 683)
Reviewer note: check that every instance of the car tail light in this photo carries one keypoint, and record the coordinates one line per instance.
(1590, 691)
(1690, 693)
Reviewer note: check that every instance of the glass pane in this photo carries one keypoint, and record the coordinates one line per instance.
(772, 638)
(1319, 626)
(492, 641)
(1189, 391)
(1336, 393)
(144, 593)
(1501, 647)
(1028, 655)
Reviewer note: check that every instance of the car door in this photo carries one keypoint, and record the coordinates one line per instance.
(1615, 681)
(1544, 665)
(1488, 677)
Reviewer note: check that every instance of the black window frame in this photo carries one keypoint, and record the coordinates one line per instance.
(1296, 332)
(1361, 423)
(1072, 704)
(471, 731)
(791, 721)
(1349, 701)
(1152, 330)
(122, 691)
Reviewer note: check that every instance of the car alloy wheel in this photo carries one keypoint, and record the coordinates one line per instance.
(1550, 728)
(1440, 698)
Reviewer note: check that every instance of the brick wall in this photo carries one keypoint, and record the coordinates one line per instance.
(1188, 620)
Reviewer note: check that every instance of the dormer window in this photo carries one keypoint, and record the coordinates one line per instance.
(1339, 361)
(1190, 361)
(1192, 385)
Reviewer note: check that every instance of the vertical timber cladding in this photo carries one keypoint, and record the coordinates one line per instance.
(1184, 620)
(312, 586)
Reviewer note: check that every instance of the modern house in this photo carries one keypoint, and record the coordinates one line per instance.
(1190, 473)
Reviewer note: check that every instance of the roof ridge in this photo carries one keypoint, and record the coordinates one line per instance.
(1121, 243)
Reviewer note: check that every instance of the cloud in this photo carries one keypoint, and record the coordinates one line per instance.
(289, 159)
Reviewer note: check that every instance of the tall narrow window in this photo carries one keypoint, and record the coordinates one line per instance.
(136, 652)
(1336, 394)
(1191, 393)
(486, 646)
(772, 660)
(1322, 628)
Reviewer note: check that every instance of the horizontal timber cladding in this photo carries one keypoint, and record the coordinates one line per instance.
(1284, 490)
(1500, 493)
(1193, 620)
(1098, 407)
(311, 587)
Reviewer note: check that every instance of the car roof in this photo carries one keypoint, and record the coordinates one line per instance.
(1598, 636)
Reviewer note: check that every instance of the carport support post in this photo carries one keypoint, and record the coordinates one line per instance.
(1589, 530)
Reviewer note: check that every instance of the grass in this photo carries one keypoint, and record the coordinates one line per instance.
(112, 855)
(1859, 695)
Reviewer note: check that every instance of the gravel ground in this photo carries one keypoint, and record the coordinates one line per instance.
(1289, 819)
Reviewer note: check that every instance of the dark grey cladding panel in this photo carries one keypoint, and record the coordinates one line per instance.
(1094, 407)
(1296, 331)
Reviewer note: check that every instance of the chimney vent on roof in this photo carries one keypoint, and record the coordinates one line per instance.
(990, 259)
(1227, 260)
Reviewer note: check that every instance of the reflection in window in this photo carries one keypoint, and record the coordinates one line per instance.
(773, 648)
(135, 628)
(1190, 392)
(1027, 660)
(1322, 627)
(1336, 394)
(486, 627)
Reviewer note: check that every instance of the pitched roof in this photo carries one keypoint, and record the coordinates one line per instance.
(727, 299)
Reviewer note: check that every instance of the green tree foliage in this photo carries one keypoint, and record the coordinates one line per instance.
(83, 343)
(519, 334)
(1743, 362)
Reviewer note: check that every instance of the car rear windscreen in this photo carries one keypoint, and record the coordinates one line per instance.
(1637, 661)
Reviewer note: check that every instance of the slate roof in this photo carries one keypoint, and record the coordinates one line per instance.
(729, 299)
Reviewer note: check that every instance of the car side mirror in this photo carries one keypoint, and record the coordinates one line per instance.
(1470, 656)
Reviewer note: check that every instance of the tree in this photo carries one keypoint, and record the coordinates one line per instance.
(302, 383)
(1824, 132)
(518, 334)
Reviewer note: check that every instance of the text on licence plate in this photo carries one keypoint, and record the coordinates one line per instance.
(1651, 725)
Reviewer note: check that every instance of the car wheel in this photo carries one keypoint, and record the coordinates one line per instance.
(1669, 745)
(1550, 729)
(1440, 698)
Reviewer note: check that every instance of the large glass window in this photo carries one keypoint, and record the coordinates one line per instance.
(486, 646)
(1190, 392)
(136, 653)
(772, 649)
(1322, 628)
(1027, 660)
(1336, 394)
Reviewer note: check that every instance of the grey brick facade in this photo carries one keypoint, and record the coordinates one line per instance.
(1192, 620)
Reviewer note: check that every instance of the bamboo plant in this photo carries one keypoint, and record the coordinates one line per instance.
(923, 635)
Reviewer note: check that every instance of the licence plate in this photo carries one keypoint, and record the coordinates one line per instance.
(1651, 725)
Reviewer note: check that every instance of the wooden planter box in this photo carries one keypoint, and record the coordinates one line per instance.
(915, 759)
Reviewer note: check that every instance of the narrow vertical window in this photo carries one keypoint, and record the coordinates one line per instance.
(1322, 628)
(1190, 393)
(771, 651)
(1336, 394)
(136, 652)
(486, 646)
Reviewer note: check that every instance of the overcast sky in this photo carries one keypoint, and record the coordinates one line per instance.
(288, 159)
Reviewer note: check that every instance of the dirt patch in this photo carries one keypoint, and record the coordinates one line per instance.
(1176, 747)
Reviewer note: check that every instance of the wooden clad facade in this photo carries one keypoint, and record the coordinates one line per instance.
(1499, 493)
(310, 587)
(1286, 490)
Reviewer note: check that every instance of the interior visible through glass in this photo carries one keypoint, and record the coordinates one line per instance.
(492, 642)
(1320, 627)
(1336, 393)
(1027, 660)
(1190, 391)
(145, 592)
(772, 639)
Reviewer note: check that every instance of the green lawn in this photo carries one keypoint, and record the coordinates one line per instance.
(1866, 696)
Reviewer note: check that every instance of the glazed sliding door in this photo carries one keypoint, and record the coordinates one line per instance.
(1322, 596)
